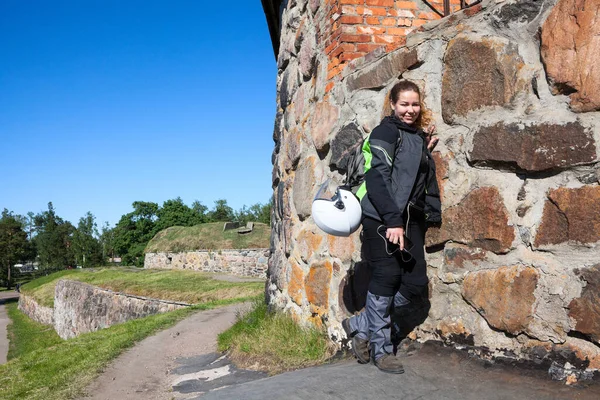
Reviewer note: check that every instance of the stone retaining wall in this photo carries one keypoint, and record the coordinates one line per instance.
(248, 262)
(81, 308)
(41, 314)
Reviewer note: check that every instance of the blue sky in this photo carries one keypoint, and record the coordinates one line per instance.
(103, 103)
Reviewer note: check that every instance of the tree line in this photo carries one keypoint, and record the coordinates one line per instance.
(54, 243)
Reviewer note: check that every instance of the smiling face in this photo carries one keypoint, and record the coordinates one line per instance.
(408, 106)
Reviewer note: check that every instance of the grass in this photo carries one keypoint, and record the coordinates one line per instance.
(52, 369)
(273, 342)
(208, 236)
(176, 285)
(26, 336)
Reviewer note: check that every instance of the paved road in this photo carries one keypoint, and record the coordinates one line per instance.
(155, 367)
(4, 298)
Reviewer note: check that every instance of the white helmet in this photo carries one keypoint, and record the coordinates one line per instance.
(340, 215)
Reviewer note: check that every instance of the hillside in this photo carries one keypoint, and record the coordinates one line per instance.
(208, 236)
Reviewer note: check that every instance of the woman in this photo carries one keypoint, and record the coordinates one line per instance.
(402, 200)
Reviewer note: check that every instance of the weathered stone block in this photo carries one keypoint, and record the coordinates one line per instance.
(478, 73)
(535, 147)
(570, 51)
(292, 148)
(585, 310)
(458, 258)
(296, 284)
(343, 143)
(305, 186)
(341, 247)
(323, 121)
(503, 296)
(441, 169)
(570, 214)
(317, 284)
(519, 12)
(479, 220)
(307, 243)
(381, 72)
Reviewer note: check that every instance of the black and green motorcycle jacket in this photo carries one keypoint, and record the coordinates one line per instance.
(393, 153)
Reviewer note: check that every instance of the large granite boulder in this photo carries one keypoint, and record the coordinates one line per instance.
(571, 50)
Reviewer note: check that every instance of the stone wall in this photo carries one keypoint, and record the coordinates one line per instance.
(512, 87)
(81, 308)
(41, 314)
(249, 262)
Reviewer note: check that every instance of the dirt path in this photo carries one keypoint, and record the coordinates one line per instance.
(5, 297)
(146, 370)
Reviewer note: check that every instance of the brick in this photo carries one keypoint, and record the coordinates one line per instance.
(342, 48)
(341, 2)
(388, 22)
(372, 20)
(351, 19)
(349, 29)
(406, 5)
(350, 56)
(405, 22)
(381, 3)
(335, 71)
(335, 61)
(364, 11)
(399, 31)
(419, 22)
(394, 46)
(370, 30)
(349, 10)
(328, 87)
(401, 13)
(367, 47)
(355, 38)
(385, 39)
(379, 11)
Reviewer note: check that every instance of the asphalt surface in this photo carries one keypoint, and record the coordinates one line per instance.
(5, 297)
(433, 373)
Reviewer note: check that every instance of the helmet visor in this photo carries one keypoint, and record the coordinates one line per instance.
(327, 192)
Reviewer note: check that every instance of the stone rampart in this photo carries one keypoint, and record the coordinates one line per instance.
(248, 262)
(41, 314)
(81, 308)
(512, 87)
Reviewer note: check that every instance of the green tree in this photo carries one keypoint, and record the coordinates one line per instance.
(107, 241)
(176, 213)
(257, 212)
(54, 239)
(262, 212)
(13, 244)
(86, 247)
(133, 232)
(200, 210)
(221, 212)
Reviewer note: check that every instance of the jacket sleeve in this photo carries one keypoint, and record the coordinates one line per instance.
(379, 177)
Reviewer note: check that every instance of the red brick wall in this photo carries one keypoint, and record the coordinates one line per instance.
(358, 27)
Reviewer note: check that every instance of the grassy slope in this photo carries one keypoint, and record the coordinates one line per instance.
(208, 237)
(62, 371)
(273, 342)
(43, 366)
(26, 336)
(185, 286)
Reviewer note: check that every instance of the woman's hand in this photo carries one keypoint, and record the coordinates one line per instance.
(429, 139)
(395, 236)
